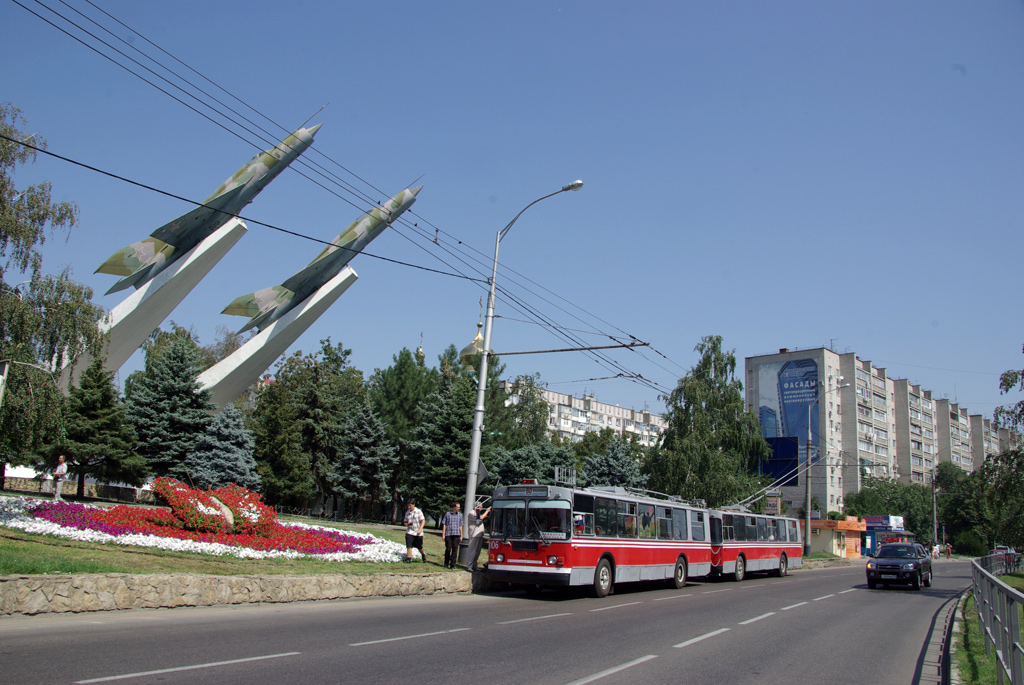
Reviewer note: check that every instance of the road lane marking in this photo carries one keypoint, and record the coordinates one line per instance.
(616, 606)
(658, 599)
(143, 674)
(702, 637)
(756, 618)
(406, 637)
(793, 606)
(711, 592)
(616, 669)
(816, 599)
(532, 618)
(853, 589)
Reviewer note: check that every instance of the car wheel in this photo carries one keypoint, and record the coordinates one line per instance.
(679, 576)
(602, 579)
(741, 570)
(917, 581)
(928, 579)
(872, 584)
(783, 567)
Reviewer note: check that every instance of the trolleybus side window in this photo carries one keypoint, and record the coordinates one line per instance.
(762, 529)
(697, 525)
(716, 529)
(664, 523)
(509, 518)
(739, 528)
(794, 532)
(751, 528)
(648, 526)
(679, 524)
(548, 519)
(780, 530)
(627, 519)
(604, 517)
(583, 515)
(727, 530)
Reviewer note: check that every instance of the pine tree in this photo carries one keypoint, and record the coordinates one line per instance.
(283, 468)
(440, 446)
(223, 454)
(169, 410)
(398, 393)
(100, 440)
(617, 466)
(507, 467)
(367, 462)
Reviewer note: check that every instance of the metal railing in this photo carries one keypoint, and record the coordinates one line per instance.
(999, 611)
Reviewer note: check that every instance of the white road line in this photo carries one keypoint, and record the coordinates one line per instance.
(818, 599)
(659, 599)
(702, 637)
(711, 592)
(853, 589)
(406, 637)
(532, 618)
(616, 606)
(793, 606)
(756, 618)
(185, 668)
(616, 669)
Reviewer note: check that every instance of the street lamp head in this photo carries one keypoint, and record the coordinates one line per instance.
(575, 185)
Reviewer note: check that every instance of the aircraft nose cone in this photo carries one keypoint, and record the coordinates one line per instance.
(312, 131)
(416, 190)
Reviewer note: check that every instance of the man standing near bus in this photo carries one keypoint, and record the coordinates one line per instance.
(414, 522)
(475, 531)
(451, 531)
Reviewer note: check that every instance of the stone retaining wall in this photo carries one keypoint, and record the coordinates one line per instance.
(109, 592)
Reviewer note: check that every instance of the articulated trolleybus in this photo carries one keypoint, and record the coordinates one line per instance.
(550, 535)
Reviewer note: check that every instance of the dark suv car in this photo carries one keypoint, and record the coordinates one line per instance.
(900, 563)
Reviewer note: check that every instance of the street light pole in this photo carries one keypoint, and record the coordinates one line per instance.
(807, 471)
(481, 388)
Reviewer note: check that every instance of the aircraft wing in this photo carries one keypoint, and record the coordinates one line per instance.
(181, 231)
(128, 260)
(258, 302)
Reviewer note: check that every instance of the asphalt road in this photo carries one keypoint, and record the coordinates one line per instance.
(820, 626)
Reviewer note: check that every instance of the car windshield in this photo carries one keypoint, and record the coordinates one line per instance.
(896, 553)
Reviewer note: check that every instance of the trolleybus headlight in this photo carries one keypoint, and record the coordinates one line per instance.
(499, 558)
(552, 560)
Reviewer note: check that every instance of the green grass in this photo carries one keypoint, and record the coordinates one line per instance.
(977, 667)
(28, 554)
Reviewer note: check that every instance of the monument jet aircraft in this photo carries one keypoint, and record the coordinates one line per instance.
(270, 304)
(141, 261)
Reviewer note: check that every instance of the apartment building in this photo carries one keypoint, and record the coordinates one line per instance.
(573, 417)
(863, 424)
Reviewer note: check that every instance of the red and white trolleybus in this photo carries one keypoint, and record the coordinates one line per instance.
(551, 535)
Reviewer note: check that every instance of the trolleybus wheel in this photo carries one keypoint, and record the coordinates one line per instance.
(741, 570)
(679, 576)
(783, 569)
(603, 579)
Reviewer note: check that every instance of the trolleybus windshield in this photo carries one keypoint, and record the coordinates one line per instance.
(531, 519)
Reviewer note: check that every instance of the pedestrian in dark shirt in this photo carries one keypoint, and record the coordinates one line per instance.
(451, 531)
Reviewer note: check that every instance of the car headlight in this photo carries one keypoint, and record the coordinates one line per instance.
(871, 564)
(909, 566)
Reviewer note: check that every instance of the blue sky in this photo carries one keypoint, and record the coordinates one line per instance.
(788, 174)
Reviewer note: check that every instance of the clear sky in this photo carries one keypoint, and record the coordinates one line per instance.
(783, 174)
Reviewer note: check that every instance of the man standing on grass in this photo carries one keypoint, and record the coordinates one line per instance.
(59, 474)
(414, 522)
(451, 530)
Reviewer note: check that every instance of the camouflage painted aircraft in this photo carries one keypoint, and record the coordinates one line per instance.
(270, 304)
(141, 261)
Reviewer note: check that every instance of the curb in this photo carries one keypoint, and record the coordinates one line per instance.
(32, 595)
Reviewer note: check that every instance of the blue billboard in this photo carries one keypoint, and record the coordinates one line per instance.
(785, 391)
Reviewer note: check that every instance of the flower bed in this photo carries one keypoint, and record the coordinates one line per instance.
(160, 528)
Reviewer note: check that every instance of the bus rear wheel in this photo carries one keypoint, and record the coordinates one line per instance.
(741, 570)
(602, 579)
(679, 575)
